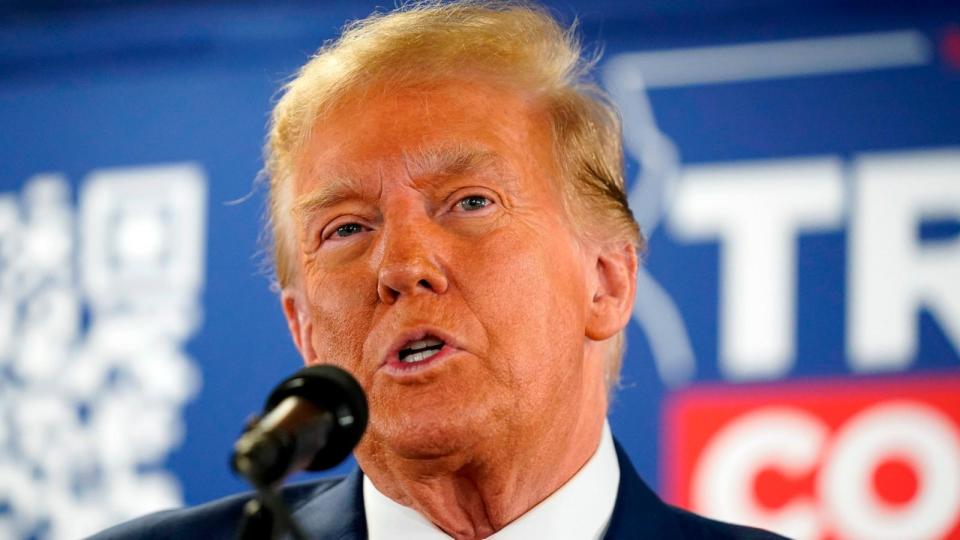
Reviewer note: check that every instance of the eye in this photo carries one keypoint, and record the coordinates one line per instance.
(347, 229)
(343, 230)
(473, 203)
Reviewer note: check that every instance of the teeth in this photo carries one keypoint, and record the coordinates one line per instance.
(423, 344)
(419, 356)
(420, 350)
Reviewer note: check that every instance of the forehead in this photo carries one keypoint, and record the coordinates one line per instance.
(445, 127)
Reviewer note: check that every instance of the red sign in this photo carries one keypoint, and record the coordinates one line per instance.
(842, 459)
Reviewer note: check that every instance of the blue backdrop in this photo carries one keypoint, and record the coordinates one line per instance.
(166, 105)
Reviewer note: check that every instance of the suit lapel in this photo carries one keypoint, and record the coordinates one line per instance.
(638, 512)
(337, 513)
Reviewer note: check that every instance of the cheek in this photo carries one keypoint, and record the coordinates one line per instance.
(531, 302)
(341, 316)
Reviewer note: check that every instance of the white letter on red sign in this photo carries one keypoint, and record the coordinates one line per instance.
(918, 433)
(787, 439)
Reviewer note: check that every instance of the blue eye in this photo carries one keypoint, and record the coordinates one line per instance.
(474, 202)
(347, 229)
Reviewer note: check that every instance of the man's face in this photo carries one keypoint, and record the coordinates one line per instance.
(437, 265)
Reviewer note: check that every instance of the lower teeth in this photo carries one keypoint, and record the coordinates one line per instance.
(419, 356)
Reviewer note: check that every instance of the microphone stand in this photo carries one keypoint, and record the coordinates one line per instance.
(266, 516)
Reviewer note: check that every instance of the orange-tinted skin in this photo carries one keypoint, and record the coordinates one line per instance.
(482, 256)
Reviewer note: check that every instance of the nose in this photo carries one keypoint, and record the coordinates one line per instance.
(409, 263)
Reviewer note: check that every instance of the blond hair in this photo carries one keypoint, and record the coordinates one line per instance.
(503, 42)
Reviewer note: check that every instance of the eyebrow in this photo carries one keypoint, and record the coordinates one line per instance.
(331, 193)
(442, 161)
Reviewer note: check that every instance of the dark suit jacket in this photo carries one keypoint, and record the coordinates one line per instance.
(332, 509)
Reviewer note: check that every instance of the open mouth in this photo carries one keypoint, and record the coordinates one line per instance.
(420, 350)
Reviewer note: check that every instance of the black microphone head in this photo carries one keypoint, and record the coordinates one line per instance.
(332, 389)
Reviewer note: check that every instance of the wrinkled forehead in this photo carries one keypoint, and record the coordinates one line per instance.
(420, 160)
(371, 109)
(448, 127)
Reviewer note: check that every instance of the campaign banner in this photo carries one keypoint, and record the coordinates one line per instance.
(852, 458)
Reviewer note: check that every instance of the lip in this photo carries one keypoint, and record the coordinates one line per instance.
(391, 360)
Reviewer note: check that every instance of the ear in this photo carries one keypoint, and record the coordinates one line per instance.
(299, 322)
(615, 285)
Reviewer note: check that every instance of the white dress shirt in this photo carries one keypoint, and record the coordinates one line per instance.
(579, 510)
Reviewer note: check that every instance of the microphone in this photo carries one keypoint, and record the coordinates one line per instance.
(312, 421)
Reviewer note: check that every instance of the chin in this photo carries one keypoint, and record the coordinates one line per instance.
(430, 434)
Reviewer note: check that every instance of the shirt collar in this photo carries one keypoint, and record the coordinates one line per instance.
(581, 508)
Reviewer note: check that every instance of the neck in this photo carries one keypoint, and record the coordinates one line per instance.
(476, 492)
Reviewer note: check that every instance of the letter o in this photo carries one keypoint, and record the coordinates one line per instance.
(917, 432)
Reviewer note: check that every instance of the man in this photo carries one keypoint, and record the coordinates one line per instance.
(450, 226)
